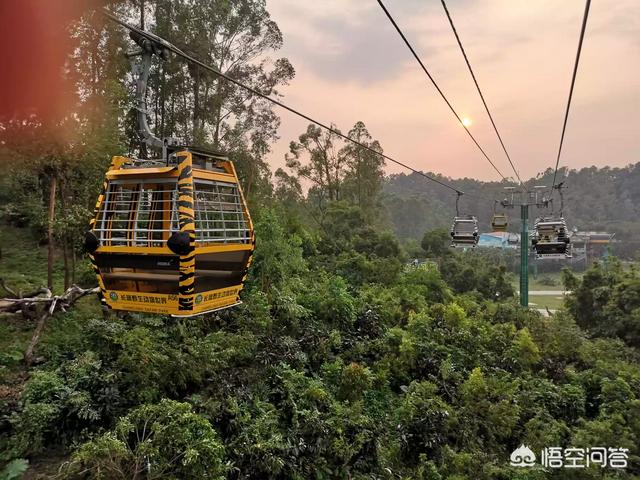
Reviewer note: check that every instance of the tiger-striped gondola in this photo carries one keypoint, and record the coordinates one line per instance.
(172, 240)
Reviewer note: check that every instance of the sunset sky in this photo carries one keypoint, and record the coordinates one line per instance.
(351, 65)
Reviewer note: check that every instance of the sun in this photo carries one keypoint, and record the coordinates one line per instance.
(466, 122)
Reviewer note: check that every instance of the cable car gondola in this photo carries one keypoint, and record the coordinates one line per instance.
(175, 240)
(550, 239)
(499, 222)
(464, 231)
(170, 235)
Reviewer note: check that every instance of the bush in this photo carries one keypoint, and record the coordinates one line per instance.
(166, 440)
(65, 405)
(547, 281)
(423, 420)
(14, 469)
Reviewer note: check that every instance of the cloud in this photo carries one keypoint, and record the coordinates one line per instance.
(345, 41)
(351, 65)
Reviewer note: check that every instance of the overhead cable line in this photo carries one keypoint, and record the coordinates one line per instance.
(169, 46)
(486, 107)
(573, 82)
(417, 57)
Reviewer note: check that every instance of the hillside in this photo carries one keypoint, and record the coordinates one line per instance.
(595, 199)
(340, 361)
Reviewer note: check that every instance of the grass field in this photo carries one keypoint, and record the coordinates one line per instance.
(546, 301)
(544, 281)
(23, 265)
(23, 268)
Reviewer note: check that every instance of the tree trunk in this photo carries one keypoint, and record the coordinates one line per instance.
(187, 130)
(67, 265)
(52, 212)
(218, 115)
(49, 306)
(64, 200)
(196, 104)
(359, 176)
(142, 14)
(327, 172)
(163, 101)
(203, 107)
(73, 265)
(42, 321)
(173, 116)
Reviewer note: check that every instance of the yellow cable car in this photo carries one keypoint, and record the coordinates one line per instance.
(171, 235)
(174, 239)
(499, 222)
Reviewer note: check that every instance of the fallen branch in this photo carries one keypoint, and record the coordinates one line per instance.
(4, 286)
(8, 305)
(50, 304)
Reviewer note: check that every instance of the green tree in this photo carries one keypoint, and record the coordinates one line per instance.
(326, 165)
(159, 441)
(236, 38)
(525, 350)
(278, 258)
(364, 178)
(606, 301)
(424, 421)
(435, 243)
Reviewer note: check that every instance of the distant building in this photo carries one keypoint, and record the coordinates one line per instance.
(506, 240)
(591, 245)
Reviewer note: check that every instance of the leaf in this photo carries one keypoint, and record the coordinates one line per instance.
(14, 469)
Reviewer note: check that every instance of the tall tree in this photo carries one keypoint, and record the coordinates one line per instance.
(326, 165)
(57, 163)
(365, 175)
(189, 102)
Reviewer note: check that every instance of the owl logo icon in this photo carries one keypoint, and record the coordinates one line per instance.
(523, 456)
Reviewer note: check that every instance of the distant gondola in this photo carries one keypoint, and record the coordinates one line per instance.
(550, 239)
(499, 222)
(464, 231)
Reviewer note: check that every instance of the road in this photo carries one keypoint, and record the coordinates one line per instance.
(547, 293)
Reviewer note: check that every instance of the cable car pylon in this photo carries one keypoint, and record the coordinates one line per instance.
(527, 198)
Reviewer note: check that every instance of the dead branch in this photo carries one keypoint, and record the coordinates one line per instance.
(22, 304)
(19, 295)
(7, 289)
(55, 303)
(49, 304)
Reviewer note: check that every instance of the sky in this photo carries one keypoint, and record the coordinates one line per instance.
(352, 65)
